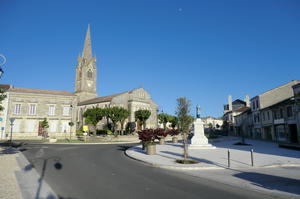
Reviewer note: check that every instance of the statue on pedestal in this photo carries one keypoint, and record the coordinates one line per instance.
(199, 140)
(197, 111)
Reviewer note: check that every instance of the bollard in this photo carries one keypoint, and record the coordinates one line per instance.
(252, 163)
(228, 158)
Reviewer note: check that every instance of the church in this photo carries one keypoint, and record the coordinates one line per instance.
(28, 107)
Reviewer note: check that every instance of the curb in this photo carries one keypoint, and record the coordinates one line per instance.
(98, 143)
(170, 167)
(188, 168)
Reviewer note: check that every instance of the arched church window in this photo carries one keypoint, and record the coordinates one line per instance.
(89, 74)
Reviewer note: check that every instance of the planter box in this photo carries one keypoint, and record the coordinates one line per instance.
(151, 149)
(174, 140)
(162, 141)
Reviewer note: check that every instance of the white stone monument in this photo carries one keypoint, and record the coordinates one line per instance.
(199, 140)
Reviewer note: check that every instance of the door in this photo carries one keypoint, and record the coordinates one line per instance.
(40, 131)
(293, 133)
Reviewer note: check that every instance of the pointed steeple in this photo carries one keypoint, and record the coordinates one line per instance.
(87, 49)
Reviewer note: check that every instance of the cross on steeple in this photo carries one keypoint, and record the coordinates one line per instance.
(87, 49)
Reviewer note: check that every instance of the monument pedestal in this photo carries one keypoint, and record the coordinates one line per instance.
(199, 140)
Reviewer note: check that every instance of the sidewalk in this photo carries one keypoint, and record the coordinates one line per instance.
(9, 188)
(276, 170)
(18, 179)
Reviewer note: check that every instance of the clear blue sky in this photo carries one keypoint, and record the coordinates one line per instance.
(203, 50)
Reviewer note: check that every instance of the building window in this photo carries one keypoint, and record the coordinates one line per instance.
(257, 104)
(264, 116)
(66, 111)
(253, 105)
(89, 74)
(17, 109)
(268, 114)
(289, 111)
(281, 113)
(51, 110)
(32, 109)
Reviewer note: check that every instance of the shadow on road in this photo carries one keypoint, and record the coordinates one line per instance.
(57, 165)
(271, 182)
(193, 158)
(123, 147)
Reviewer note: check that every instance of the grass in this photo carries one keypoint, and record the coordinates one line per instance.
(187, 161)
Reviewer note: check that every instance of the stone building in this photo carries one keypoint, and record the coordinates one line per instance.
(264, 115)
(232, 109)
(133, 100)
(274, 115)
(30, 106)
(213, 122)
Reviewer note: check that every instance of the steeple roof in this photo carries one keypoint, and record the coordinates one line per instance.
(87, 49)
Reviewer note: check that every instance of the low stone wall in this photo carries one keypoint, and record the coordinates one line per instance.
(35, 136)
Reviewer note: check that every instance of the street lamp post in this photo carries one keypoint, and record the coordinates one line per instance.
(11, 127)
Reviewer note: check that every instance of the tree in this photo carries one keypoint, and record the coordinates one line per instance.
(164, 119)
(142, 116)
(118, 114)
(2, 97)
(93, 116)
(44, 126)
(71, 124)
(124, 115)
(184, 121)
(106, 112)
(174, 121)
(225, 126)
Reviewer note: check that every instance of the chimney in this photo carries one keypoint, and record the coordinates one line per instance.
(247, 100)
(230, 102)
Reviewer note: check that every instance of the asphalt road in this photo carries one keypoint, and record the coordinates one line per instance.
(104, 171)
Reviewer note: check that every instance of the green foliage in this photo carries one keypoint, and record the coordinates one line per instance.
(164, 119)
(117, 114)
(2, 97)
(183, 114)
(142, 116)
(184, 121)
(104, 132)
(210, 125)
(45, 124)
(173, 121)
(79, 132)
(93, 116)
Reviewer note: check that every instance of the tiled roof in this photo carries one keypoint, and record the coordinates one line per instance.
(39, 91)
(238, 101)
(242, 109)
(107, 98)
(4, 86)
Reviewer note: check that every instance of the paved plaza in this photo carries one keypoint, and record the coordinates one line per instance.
(276, 170)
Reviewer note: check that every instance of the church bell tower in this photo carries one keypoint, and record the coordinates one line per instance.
(86, 72)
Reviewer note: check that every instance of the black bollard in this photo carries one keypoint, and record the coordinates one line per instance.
(228, 158)
(252, 162)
